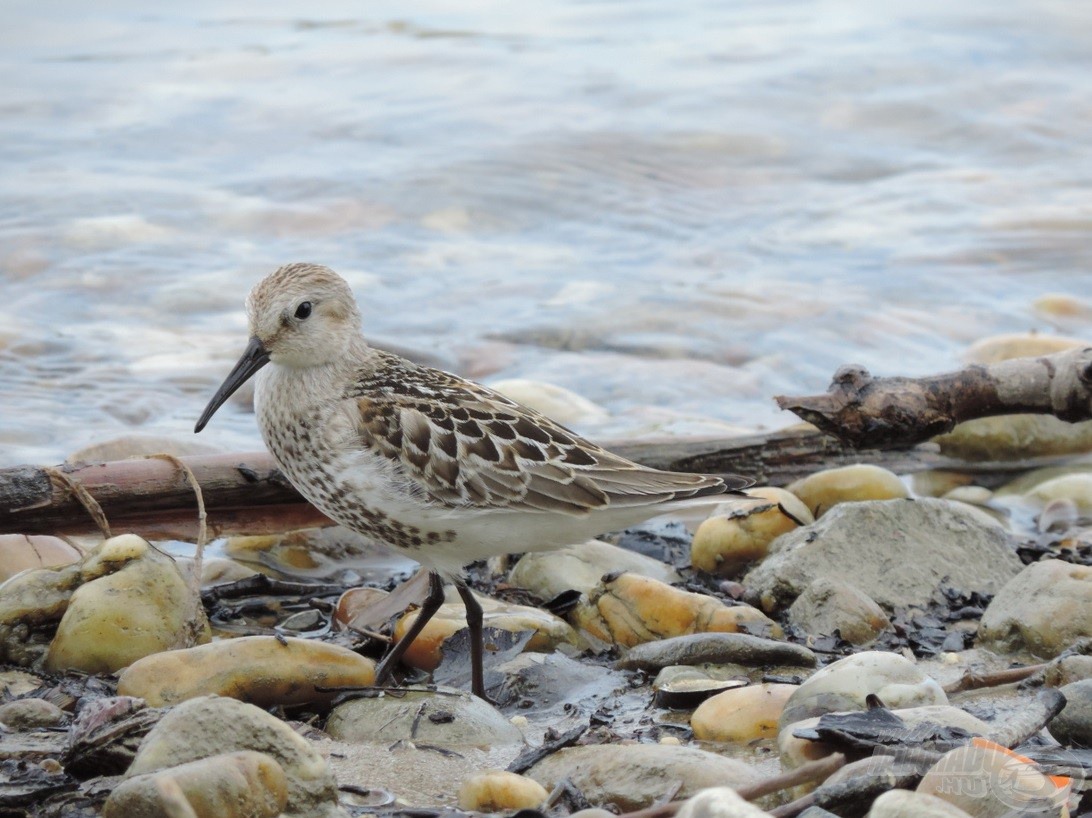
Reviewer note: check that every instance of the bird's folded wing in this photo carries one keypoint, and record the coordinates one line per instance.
(465, 445)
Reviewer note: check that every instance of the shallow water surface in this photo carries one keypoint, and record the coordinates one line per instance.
(676, 210)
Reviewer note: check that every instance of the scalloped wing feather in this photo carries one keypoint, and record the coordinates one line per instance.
(464, 445)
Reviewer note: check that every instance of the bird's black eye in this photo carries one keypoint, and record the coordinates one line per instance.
(303, 310)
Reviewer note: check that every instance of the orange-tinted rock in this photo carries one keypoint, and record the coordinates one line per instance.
(262, 670)
(742, 714)
(628, 610)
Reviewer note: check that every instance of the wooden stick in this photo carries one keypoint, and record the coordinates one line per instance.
(972, 681)
(879, 412)
(245, 493)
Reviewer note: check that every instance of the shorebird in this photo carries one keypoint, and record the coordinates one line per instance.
(442, 469)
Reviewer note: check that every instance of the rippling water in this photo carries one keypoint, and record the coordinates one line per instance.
(677, 210)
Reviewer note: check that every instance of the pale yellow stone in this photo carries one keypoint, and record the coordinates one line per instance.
(136, 602)
(14, 683)
(243, 546)
(1062, 306)
(262, 670)
(848, 484)
(357, 608)
(1043, 610)
(30, 602)
(1015, 437)
(1074, 487)
(741, 714)
(557, 402)
(628, 610)
(999, 348)
(244, 784)
(115, 552)
(18, 552)
(218, 571)
(725, 544)
(425, 651)
(39, 597)
(276, 548)
(938, 482)
(499, 791)
(796, 752)
(971, 495)
(1027, 481)
(122, 448)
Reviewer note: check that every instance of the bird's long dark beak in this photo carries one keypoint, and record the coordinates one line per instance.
(254, 358)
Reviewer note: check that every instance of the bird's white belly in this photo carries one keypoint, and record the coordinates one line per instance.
(322, 455)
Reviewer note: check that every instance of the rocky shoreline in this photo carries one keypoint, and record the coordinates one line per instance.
(852, 644)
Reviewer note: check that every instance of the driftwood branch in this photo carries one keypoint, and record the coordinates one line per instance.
(245, 493)
(879, 412)
(153, 497)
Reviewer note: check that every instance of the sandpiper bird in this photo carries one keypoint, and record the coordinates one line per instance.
(444, 470)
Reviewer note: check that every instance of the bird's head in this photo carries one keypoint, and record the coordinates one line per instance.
(300, 316)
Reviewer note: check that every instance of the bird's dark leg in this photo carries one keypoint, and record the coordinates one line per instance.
(477, 645)
(429, 607)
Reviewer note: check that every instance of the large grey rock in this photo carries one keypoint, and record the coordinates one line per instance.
(845, 684)
(1043, 611)
(245, 784)
(633, 776)
(447, 718)
(1073, 726)
(30, 714)
(900, 551)
(1063, 670)
(554, 681)
(715, 648)
(829, 605)
(212, 725)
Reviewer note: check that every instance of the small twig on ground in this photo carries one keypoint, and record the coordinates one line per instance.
(531, 756)
(972, 681)
(260, 584)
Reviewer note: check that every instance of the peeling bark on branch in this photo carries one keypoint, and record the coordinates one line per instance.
(864, 411)
(246, 494)
(151, 497)
(870, 416)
